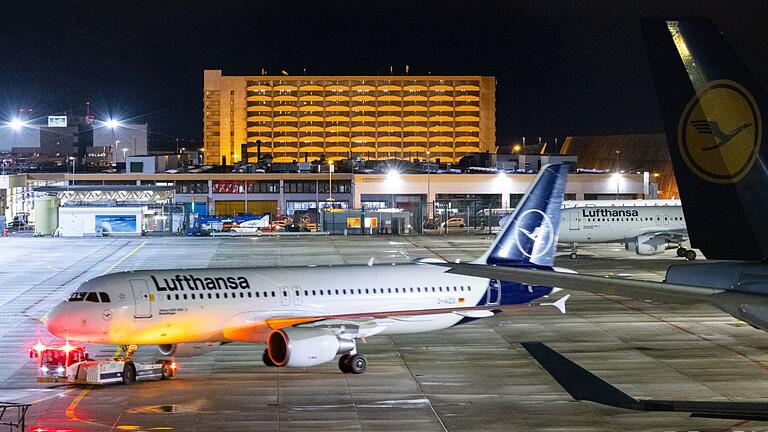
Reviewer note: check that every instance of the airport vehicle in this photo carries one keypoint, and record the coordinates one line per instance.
(454, 222)
(252, 226)
(309, 315)
(646, 227)
(71, 364)
(703, 89)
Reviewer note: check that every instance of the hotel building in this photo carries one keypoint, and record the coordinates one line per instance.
(304, 118)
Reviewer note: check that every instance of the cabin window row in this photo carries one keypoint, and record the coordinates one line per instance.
(322, 292)
(632, 219)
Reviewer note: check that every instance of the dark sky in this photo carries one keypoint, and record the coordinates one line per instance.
(563, 67)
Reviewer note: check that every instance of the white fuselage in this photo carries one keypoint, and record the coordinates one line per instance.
(607, 224)
(213, 305)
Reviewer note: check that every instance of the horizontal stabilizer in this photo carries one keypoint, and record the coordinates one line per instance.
(583, 385)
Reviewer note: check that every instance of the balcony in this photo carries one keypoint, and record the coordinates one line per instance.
(467, 108)
(336, 118)
(337, 88)
(285, 98)
(440, 88)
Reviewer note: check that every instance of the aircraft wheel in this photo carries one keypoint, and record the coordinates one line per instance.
(358, 364)
(267, 361)
(573, 255)
(690, 255)
(345, 363)
(165, 371)
(129, 373)
(681, 252)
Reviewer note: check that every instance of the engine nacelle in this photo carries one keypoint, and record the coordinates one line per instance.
(647, 245)
(304, 347)
(187, 349)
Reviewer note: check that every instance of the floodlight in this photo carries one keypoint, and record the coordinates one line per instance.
(16, 123)
(112, 123)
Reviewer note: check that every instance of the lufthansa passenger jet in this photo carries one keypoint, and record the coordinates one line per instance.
(309, 315)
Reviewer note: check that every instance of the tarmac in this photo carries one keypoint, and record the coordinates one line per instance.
(470, 377)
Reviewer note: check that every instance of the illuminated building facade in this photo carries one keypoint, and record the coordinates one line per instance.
(304, 118)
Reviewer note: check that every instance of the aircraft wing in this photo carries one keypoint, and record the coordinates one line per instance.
(637, 289)
(672, 235)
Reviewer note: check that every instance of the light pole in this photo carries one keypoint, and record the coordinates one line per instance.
(117, 142)
(330, 181)
(125, 149)
(430, 208)
(618, 174)
(202, 155)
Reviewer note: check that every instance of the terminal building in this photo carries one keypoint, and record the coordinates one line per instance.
(230, 194)
(307, 118)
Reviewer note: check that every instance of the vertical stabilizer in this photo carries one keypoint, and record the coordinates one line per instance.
(529, 238)
(714, 113)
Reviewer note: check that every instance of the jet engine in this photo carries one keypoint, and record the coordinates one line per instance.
(647, 245)
(304, 347)
(186, 349)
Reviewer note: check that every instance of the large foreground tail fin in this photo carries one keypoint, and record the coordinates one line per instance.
(529, 237)
(713, 115)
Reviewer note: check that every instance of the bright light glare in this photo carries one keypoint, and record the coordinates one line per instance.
(501, 174)
(393, 174)
(616, 176)
(16, 123)
(112, 123)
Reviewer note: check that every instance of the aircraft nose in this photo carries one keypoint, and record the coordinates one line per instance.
(57, 322)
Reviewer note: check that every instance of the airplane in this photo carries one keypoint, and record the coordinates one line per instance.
(646, 227)
(308, 315)
(722, 179)
(643, 229)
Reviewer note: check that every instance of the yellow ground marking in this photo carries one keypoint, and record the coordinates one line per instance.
(125, 257)
(73, 405)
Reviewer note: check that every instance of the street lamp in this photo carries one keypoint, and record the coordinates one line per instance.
(16, 123)
(112, 123)
(117, 142)
(429, 187)
(202, 155)
(330, 181)
(125, 149)
(73, 161)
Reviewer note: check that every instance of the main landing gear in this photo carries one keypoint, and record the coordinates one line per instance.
(574, 251)
(688, 254)
(353, 363)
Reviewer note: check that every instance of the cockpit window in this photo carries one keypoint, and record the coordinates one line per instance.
(77, 296)
(92, 297)
(104, 297)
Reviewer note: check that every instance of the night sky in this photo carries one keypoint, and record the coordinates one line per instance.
(563, 67)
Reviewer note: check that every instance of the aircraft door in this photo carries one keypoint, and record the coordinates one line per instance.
(141, 298)
(574, 220)
(296, 290)
(285, 296)
(493, 295)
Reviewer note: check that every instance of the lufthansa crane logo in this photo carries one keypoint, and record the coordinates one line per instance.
(720, 132)
(540, 237)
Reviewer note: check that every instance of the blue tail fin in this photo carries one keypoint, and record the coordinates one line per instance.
(529, 238)
(714, 111)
